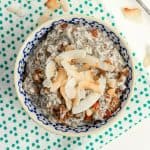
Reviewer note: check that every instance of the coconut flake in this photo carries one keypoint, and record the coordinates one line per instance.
(102, 84)
(70, 89)
(17, 10)
(106, 66)
(59, 81)
(50, 68)
(90, 60)
(146, 61)
(64, 5)
(86, 103)
(133, 14)
(69, 55)
(45, 17)
(68, 101)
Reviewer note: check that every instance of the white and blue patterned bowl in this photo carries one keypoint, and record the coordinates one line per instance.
(25, 51)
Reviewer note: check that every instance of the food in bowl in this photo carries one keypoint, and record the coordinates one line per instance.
(76, 75)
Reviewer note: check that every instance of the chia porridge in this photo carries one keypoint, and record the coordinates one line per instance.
(75, 75)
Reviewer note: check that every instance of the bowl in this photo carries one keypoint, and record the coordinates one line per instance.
(31, 109)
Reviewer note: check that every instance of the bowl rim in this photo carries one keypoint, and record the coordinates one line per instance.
(112, 119)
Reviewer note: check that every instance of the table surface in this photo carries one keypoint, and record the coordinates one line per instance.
(138, 37)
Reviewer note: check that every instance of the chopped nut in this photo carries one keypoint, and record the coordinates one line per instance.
(46, 90)
(37, 76)
(89, 112)
(48, 105)
(64, 25)
(94, 32)
(88, 118)
(114, 104)
(125, 72)
(63, 111)
(108, 61)
(69, 47)
(96, 105)
(108, 114)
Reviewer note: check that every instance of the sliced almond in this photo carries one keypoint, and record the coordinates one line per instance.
(86, 103)
(68, 101)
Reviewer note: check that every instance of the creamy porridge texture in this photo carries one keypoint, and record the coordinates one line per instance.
(76, 75)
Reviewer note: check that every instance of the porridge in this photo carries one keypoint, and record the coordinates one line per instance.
(75, 75)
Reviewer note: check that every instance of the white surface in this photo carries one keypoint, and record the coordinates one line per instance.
(138, 37)
(136, 33)
(136, 138)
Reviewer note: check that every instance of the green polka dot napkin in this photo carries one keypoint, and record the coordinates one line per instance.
(17, 130)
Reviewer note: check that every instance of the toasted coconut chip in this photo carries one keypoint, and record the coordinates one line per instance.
(86, 75)
(80, 95)
(69, 34)
(68, 101)
(70, 88)
(16, 10)
(45, 17)
(132, 13)
(102, 84)
(52, 4)
(105, 66)
(111, 92)
(60, 80)
(90, 60)
(64, 5)
(146, 61)
(50, 68)
(69, 55)
(112, 83)
(70, 69)
(95, 62)
(47, 83)
(86, 103)
(89, 85)
(69, 47)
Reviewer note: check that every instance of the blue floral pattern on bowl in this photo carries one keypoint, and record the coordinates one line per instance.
(26, 52)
